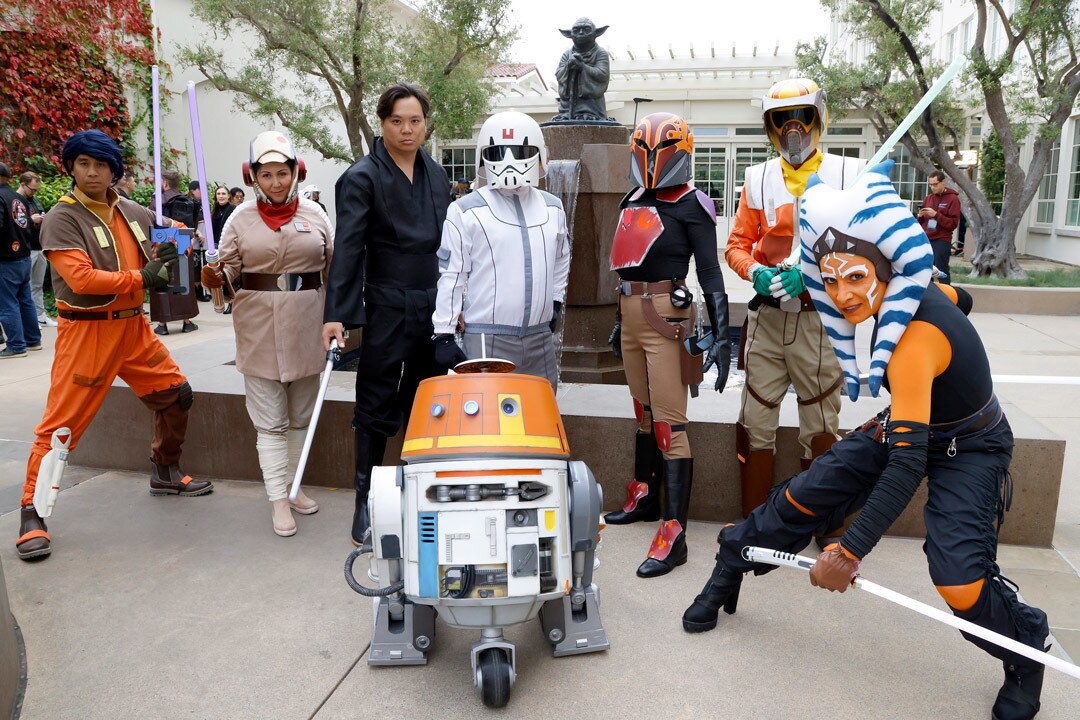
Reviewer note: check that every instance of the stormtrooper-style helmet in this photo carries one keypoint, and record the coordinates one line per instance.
(510, 151)
(795, 118)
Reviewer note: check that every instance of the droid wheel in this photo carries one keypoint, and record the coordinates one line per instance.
(494, 669)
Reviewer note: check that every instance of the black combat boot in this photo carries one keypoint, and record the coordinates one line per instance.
(643, 492)
(1018, 698)
(370, 448)
(721, 591)
(668, 548)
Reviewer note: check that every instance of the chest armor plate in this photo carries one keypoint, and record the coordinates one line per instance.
(637, 231)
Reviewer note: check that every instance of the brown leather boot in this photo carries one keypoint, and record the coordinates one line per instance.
(34, 540)
(756, 476)
(171, 480)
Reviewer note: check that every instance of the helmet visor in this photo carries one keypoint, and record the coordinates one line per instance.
(803, 115)
(498, 153)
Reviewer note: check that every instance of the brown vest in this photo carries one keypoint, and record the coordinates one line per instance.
(70, 225)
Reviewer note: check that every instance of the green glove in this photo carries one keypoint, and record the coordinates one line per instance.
(792, 281)
(762, 279)
(155, 274)
(165, 252)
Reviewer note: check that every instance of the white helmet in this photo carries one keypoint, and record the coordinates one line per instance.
(273, 146)
(309, 190)
(510, 151)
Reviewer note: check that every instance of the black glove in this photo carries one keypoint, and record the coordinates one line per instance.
(165, 253)
(447, 352)
(155, 274)
(719, 353)
(615, 340)
(556, 313)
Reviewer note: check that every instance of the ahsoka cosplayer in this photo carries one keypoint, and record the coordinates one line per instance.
(278, 325)
(508, 242)
(865, 257)
(783, 339)
(102, 263)
(664, 222)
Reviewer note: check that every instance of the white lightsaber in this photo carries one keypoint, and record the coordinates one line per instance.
(333, 356)
(777, 557)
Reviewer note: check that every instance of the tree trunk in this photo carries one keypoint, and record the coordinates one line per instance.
(995, 251)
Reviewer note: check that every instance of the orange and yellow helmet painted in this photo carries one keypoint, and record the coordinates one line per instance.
(662, 150)
(795, 105)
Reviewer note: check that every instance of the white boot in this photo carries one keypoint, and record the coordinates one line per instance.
(273, 449)
(303, 504)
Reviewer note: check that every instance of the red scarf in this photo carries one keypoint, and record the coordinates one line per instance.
(277, 215)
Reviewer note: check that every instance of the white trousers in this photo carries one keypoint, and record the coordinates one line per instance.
(280, 413)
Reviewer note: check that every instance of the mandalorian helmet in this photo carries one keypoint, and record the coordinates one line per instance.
(661, 152)
(510, 151)
(795, 118)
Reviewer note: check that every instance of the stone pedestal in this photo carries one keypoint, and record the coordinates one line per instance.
(604, 153)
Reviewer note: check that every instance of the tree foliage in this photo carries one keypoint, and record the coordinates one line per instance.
(1026, 81)
(66, 67)
(317, 67)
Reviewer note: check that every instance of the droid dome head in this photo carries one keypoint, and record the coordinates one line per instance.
(661, 152)
(510, 151)
(795, 118)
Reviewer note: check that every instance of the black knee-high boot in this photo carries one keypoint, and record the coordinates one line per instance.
(643, 492)
(721, 591)
(369, 452)
(668, 548)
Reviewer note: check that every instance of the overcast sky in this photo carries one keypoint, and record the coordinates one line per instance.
(636, 23)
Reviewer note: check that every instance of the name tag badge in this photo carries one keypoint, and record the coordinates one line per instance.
(301, 226)
(102, 238)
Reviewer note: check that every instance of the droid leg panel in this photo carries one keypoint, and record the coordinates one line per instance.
(643, 492)
(668, 548)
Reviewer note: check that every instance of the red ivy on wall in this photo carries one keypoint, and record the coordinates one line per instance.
(64, 67)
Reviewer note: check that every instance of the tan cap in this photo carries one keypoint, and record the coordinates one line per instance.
(271, 146)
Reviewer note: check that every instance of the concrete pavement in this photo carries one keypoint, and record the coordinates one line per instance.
(191, 608)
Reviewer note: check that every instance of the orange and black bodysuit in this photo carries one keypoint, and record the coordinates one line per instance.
(945, 425)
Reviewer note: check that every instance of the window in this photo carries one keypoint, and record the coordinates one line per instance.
(459, 162)
(965, 36)
(851, 152)
(710, 176)
(949, 40)
(1072, 208)
(909, 182)
(744, 158)
(750, 131)
(845, 131)
(1044, 206)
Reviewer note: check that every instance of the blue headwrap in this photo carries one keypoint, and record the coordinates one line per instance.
(97, 145)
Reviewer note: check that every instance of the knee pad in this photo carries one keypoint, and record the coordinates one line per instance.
(186, 396)
(662, 431)
(962, 598)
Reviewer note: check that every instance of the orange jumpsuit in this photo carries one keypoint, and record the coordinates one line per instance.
(90, 354)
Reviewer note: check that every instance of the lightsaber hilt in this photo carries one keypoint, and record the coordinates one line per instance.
(777, 557)
(217, 295)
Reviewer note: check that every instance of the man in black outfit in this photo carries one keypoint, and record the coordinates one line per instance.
(391, 205)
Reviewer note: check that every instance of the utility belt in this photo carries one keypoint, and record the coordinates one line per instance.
(269, 282)
(677, 330)
(100, 314)
(805, 303)
(987, 417)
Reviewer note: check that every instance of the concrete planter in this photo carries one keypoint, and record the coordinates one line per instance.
(1023, 300)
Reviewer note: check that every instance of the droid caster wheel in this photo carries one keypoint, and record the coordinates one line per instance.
(493, 673)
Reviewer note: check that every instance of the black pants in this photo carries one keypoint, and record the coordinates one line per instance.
(396, 353)
(942, 252)
(965, 500)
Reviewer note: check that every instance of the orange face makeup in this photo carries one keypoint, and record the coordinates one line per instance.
(852, 285)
